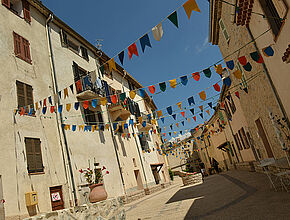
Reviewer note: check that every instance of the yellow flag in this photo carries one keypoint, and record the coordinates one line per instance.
(132, 94)
(135, 124)
(122, 123)
(207, 111)
(202, 95)
(159, 114)
(179, 105)
(153, 121)
(65, 91)
(173, 83)
(68, 106)
(175, 133)
(238, 74)
(36, 105)
(112, 65)
(67, 127)
(93, 128)
(140, 119)
(201, 108)
(190, 6)
(107, 126)
(103, 101)
(219, 69)
(177, 125)
(81, 127)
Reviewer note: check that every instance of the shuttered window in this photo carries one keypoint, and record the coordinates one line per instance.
(224, 30)
(21, 47)
(24, 94)
(84, 52)
(33, 155)
(26, 11)
(6, 3)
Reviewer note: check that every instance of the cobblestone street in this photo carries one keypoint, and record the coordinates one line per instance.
(230, 195)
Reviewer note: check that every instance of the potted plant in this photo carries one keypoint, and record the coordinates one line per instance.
(94, 178)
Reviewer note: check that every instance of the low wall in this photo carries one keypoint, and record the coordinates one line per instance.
(192, 179)
(108, 209)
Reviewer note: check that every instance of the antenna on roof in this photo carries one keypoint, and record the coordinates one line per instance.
(99, 43)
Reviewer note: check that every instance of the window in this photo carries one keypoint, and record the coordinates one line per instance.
(273, 10)
(21, 47)
(33, 155)
(84, 52)
(134, 162)
(24, 94)
(242, 140)
(247, 144)
(232, 104)
(237, 141)
(228, 110)
(17, 7)
(143, 142)
(90, 117)
(73, 46)
(224, 30)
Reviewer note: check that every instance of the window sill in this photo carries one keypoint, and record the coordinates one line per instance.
(30, 61)
(75, 52)
(14, 12)
(36, 173)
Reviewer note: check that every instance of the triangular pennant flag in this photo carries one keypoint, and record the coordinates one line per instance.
(201, 115)
(196, 76)
(68, 107)
(268, 51)
(184, 80)
(65, 92)
(183, 114)
(171, 127)
(131, 122)
(207, 72)
(77, 104)
(242, 60)
(179, 105)
(152, 89)
(145, 41)
(177, 125)
(142, 92)
(149, 118)
(114, 99)
(94, 103)
(248, 67)
(162, 119)
(144, 124)
(162, 86)
(121, 57)
(228, 97)
(210, 104)
(238, 74)
(52, 109)
(246, 90)
(180, 133)
(230, 64)
(86, 104)
(44, 103)
(194, 118)
(188, 120)
(157, 32)
(132, 94)
(192, 111)
(59, 94)
(182, 123)
(44, 110)
(202, 95)
(191, 100)
(256, 56)
(132, 49)
(72, 88)
(174, 116)
(59, 108)
(173, 18)
(190, 6)
(207, 111)
(175, 133)
(169, 110)
(50, 100)
(159, 114)
(201, 108)
(74, 127)
(79, 86)
(169, 133)
(112, 65)
(123, 96)
(173, 83)
(219, 69)
(237, 94)
(227, 81)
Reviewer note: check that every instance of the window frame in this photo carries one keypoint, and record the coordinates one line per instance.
(224, 30)
(25, 95)
(25, 9)
(33, 153)
(24, 47)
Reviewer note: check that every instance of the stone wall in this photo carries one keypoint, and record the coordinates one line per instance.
(108, 209)
(192, 179)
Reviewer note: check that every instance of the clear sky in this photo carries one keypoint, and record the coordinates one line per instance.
(181, 51)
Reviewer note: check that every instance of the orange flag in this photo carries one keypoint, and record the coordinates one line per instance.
(177, 125)
(188, 120)
(201, 108)
(112, 65)
(207, 111)
(179, 105)
(202, 95)
(65, 91)
(132, 49)
(173, 83)
(183, 114)
(219, 69)
(114, 99)
(159, 114)
(68, 106)
(238, 74)
(190, 6)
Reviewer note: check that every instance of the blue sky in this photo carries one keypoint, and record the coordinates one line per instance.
(181, 51)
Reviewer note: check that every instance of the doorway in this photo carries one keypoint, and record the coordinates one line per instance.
(2, 212)
(264, 138)
(56, 198)
(138, 179)
(155, 174)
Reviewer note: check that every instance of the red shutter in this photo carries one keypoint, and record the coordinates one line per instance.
(6, 3)
(17, 44)
(26, 11)
(26, 50)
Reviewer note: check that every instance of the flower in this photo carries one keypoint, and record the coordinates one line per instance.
(107, 172)
(81, 171)
(103, 168)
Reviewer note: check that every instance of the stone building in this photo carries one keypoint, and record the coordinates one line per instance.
(40, 152)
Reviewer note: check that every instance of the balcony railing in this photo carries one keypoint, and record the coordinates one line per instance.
(89, 90)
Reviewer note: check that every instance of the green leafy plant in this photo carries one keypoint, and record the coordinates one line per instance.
(94, 176)
(171, 174)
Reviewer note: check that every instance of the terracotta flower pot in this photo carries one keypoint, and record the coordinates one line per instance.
(98, 193)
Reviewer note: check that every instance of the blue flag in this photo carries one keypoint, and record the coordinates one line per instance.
(145, 41)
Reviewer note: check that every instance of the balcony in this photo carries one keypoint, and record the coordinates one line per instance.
(118, 110)
(148, 125)
(89, 89)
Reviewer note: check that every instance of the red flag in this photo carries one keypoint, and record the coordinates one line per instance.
(194, 118)
(183, 114)
(86, 104)
(237, 94)
(196, 76)
(79, 85)
(217, 87)
(114, 99)
(222, 104)
(243, 60)
(132, 49)
(44, 103)
(164, 134)
(152, 89)
(52, 108)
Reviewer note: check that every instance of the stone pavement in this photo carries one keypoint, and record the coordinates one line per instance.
(230, 195)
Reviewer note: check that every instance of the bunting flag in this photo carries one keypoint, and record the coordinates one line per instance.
(162, 86)
(248, 67)
(68, 107)
(104, 101)
(60, 109)
(207, 72)
(202, 95)
(44, 103)
(94, 103)
(157, 32)
(201, 115)
(50, 100)
(162, 119)
(219, 69)
(86, 104)
(173, 83)
(171, 127)
(173, 18)
(246, 90)
(191, 101)
(175, 133)
(268, 51)
(52, 109)
(217, 87)
(196, 76)
(142, 92)
(121, 57)
(72, 88)
(132, 49)
(86, 82)
(207, 111)
(132, 94)
(36, 105)
(210, 104)
(238, 74)
(201, 108)
(174, 116)
(190, 6)
(74, 127)
(182, 123)
(183, 80)
(237, 94)
(179, 105)
(192, 111)
(114, 99)
(123, 96)
(131, 122)
(43, 110)
(77, 104)
(194, 118)
(230, 64)
(243, 60)
(177, 125)
(227, 81)
(169, 134)
(159, 114)
(183, 114)
(256, 56)
(112, 65)
(152, 89)
(144, 124)
(59, 94)
(169, 110)
(79, 86)
(145, 41)
(188, 120)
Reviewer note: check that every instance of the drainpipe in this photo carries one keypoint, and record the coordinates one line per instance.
(279, 102)
(55, 87)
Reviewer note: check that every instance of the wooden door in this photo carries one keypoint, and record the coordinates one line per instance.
(138, 179)
(264, 138)
(56, 198)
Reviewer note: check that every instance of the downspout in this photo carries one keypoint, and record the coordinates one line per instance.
(279, 102)
(55, 87)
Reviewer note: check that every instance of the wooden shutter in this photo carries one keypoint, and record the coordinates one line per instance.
(224, 30)
(26, 50)
(20, 94)
(29, 95)
(26, 11)
(242, 140)
(17, 44)
(6, 3)
(76, 72)
(38, 156)
(280, 7)
(33, 155)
